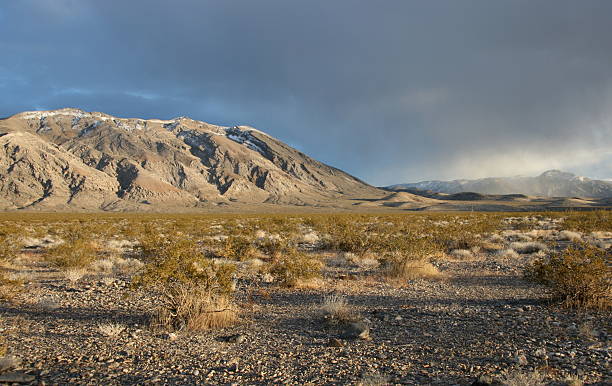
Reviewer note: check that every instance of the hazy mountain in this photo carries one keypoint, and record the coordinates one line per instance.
(70, 158)
(552, 183)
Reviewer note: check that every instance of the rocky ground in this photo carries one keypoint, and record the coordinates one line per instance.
(483, 319)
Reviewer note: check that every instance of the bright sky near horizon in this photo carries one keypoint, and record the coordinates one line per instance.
(392, 92)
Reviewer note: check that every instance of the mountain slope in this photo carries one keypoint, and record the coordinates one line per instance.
(552, 183)
(72, 158)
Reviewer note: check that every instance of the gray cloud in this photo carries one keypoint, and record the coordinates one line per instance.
(391, 92)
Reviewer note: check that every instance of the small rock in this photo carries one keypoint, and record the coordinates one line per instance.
(170, 336)
(540, 353)
(357, 330)
(238, 338)
(521, 359)
(334, 342)
(486, 380)
(267, 278)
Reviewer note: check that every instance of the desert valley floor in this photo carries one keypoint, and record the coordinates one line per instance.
(459, 310)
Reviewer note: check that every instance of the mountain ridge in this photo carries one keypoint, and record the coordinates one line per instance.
(551, 183)
(56, 158)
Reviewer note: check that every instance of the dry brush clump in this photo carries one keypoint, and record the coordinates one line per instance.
(195, 292)
(579, 276)
(111, 330)
(10, 284)
(337, 311)
(193, 308)
(402, 268)
(78, 250)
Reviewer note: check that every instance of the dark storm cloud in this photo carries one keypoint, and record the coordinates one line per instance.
(390, 91)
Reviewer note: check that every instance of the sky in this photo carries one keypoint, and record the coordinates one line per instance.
(393, 91)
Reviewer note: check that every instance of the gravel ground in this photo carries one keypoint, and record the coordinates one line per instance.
(483, 319)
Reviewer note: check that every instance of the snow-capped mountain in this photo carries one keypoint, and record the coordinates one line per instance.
(70, 158)
(552, 183)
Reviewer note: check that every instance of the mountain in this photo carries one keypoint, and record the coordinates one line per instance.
(72, 159)
(552, 183)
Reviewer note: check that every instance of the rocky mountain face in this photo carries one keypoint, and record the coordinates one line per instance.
(70, 158)
(552, 183)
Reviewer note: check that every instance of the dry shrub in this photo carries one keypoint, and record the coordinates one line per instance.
(310, 238)
(495, 238)
(76, 252)
(373, 379)
(295, 267)
(9, 362)
(570, 236)
(573, 380)
(111, 330)
(117, 264)
(462, 254)
(73, 275)
(597, 220)
(578, 276)
(189, 308)
(238, 248)
(507, 254)
(336, 310)
(491, 247)
(175, 259)
(517, 378)
(528, 247)
(9, 284)
(272, 246)
(407, 269)
(194, 291)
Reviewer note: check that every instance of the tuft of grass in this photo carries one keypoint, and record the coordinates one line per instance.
(336, 310)
(9, 362)
(112, 330)
(195, 309)
(525, 247)
(373, 379)
(573, 380)
(578, 276)
(575, 237)
(507, 254)
(517, 378)
(9, 287)
(462, 254)
(75, 274)
(406, 269)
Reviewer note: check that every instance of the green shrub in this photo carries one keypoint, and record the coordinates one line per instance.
(578, 276)
(175, 259)
(76, 252)
(194, 291)
(237, 248)
(295, 266)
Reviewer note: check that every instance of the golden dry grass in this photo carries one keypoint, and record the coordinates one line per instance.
(194, 309)
(404, 269)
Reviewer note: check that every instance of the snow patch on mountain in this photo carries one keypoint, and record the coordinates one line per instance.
(245, 138)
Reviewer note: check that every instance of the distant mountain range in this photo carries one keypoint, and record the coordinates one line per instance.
(552, 183)
(72, 159)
